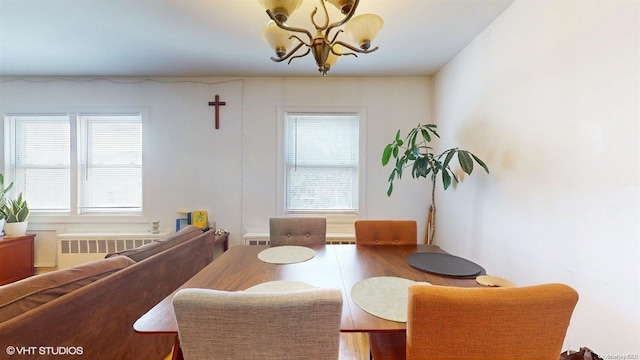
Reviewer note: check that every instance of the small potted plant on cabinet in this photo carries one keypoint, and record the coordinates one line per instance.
(16, 213)
(3, 192)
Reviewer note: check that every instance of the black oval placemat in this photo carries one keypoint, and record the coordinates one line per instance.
(445, 264)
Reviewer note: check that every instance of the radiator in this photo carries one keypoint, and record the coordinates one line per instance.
(332, 238)
(79, 248)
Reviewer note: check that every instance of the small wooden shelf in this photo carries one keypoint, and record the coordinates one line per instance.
(16, 258)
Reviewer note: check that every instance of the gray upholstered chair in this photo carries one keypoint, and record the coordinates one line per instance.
(298, 231)
(214, 324)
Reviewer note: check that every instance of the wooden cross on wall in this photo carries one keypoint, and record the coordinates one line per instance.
(217, 103)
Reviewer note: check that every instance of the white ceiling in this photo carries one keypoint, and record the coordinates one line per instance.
(220, 37)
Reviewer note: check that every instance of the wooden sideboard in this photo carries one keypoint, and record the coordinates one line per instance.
(16, 258)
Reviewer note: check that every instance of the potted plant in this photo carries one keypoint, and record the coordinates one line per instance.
(415, 151)
(3, 192)
(16, 213)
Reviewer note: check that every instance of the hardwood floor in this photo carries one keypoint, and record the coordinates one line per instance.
(354, 346)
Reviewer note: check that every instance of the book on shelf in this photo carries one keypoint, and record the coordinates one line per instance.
(199, 218)
(180, 223)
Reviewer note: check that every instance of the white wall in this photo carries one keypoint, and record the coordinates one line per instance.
(231, 172)
(390, 104)
(548, 96)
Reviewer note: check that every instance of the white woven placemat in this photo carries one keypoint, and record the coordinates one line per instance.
(495, 281)
(383, 296)
(280, 286)
(286, 254)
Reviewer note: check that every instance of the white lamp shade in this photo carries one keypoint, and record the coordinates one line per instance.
(363, 27)
(333, 58)
(276, 37)
(340, 4)
(287, 5)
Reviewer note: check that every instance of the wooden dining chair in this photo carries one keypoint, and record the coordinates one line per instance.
(481, 323)
(301, 231)
(386, 232)
(215, 324)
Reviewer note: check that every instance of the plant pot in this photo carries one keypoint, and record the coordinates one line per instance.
(15, 228)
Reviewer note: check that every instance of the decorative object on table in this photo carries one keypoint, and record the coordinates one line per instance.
(445, 265)
(280, 286)
(155, 227)
(414, 151)
(286, 254)
(220, 231)
(384, 296)
(3, 192)
(324, 45)
(16, 213)
(494, 281)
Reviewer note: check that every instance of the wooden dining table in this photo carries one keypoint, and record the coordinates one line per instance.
(338, 266)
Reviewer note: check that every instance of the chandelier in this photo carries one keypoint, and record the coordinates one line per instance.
(324, 45)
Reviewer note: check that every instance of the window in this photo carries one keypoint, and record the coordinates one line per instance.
(321, 162)
(76, 163)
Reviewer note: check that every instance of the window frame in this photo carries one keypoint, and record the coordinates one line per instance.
(74, 114)
(84, 122)
(281, 182)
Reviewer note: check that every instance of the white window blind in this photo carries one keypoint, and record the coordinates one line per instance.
(39, 160)
(111, 163)
(321, 162)
(76, 163)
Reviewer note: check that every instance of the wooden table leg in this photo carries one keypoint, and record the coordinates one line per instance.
(177, 351)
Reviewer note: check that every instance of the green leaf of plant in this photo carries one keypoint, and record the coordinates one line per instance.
(411, 138)
(449, 156)
(386, 154)
(415, 151)
(420, 167)
(446, 179)
(437, 165)
(481, 163)
(392, 175)
(425, 135)
(398, 135)
(395, 151)
(390, 188)
(466, 163)
(432, 129)
(399, 166)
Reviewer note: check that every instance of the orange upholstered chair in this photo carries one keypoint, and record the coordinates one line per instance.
(386, 232)
(482, 323)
